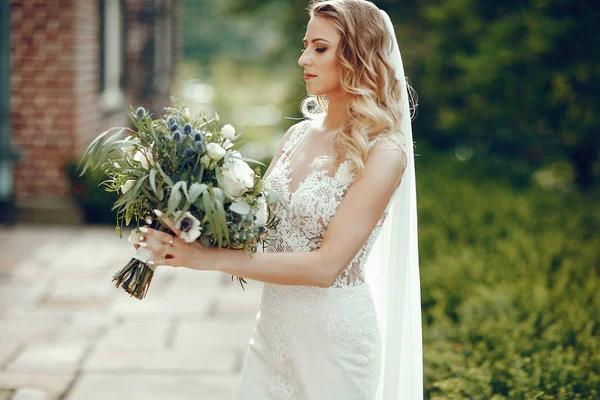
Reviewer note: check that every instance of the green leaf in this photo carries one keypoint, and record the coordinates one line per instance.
(249, 160)
(208, 207)
(238, 145)
(240, 208)
(153, 180)
(174, 200)
(196, 189)
(222, 218)
(162, 173)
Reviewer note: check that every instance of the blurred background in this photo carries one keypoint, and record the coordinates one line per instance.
(508, 173)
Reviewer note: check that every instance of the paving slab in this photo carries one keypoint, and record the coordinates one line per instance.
(96, 386)
(31, 394)
(49, 358)
(200, 359)
(55, 384)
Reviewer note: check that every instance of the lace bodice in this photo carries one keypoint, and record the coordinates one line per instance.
(314, 188)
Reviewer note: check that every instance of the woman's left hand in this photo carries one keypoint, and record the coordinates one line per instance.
(172, 250)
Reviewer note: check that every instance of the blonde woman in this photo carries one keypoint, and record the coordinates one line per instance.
(317, 332)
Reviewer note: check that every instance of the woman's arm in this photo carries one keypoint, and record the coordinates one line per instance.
(349, 229)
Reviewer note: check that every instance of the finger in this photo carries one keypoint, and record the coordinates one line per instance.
(167, 221)
(159, 249)
(161, 236)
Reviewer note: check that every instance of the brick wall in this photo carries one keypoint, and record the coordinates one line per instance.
(55, 100)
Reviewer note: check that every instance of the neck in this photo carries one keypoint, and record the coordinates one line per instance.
(337, 111)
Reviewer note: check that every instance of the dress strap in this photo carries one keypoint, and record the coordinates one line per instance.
(299, 132)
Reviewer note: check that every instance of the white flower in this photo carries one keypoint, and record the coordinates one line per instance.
(228, 132)
(227, 144)
(261, 211)
(188, 224)
(145, 157)
(186, 112)
(127, 185)
(130, 149)
(238, 177)
(205, 160)
(215, 152)
(217, 118)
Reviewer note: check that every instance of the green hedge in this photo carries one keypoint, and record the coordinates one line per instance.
(510, 283)
(95, 202)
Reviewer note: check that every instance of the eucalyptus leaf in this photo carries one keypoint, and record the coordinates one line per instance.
(174, 200)
(196, 189)
(153, 180)
(240, 208)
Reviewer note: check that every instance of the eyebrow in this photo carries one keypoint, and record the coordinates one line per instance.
(317, 39)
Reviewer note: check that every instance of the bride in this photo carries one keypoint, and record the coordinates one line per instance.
(324, 329)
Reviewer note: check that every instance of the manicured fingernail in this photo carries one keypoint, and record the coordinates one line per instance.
(149, 220)
(144, 244)
(150, 262)
(158, 213)
(144, 229)
(142, 238)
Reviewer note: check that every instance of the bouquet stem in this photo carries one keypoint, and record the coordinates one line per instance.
(134, 278)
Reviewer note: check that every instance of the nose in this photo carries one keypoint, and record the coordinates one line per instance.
(304, 59)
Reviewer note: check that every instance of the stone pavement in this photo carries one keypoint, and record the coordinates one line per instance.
(67, 333)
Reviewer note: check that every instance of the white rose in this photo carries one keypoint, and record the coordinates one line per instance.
(215, 152)
(228, 132)
(205, 160)
(238, 177)
(130, 149)
(145, 157)
(261, 211)
(127, 185)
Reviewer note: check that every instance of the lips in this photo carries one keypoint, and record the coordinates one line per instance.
(309, 76)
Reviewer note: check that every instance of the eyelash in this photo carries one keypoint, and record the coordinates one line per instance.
(318, 49)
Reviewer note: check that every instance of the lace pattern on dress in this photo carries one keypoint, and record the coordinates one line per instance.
(313, 204)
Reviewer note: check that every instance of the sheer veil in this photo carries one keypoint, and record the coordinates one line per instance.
(393, 271)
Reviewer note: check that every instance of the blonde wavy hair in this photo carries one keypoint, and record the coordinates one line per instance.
(366, 74)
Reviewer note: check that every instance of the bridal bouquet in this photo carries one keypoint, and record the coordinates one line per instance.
(189, 168)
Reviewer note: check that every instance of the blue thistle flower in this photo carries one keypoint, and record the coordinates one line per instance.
(140, 112)
(189, 152)
(187, 129)
(174, 127)
(177, 136)
(200, 148)
(171, 121)
(198, 137)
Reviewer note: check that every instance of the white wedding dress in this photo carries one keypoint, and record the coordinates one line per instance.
(313, 343)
